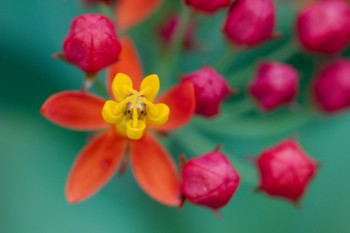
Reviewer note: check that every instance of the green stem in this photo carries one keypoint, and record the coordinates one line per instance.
(224, 61)
(238, 108)
(100, 87)
(260, 127)
(170, 59)
(231, 112)
(106, 10)
(240, 77)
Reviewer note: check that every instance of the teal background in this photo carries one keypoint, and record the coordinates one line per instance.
(36, 155)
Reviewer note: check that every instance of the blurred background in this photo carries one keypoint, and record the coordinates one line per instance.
(36, 155)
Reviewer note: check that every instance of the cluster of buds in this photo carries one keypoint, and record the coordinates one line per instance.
(128, 119)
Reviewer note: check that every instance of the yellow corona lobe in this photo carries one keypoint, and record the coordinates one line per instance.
(133, 110)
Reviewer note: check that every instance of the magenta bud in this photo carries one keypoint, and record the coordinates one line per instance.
(276, 84)
(324, 27)
(91, 43)
(250, 22)
(331, 89)
(285, 171)
(209, 180)
(207, 6)
(168, 28)
(210, 89)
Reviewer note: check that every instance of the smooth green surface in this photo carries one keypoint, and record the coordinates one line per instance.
(36, 155)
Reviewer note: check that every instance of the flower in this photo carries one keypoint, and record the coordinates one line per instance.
(208, 6)
(330, 37)
(285, 170)
(209, 180)
(210, 88)
(91, 43)
(331, 89)
(275, 84)
(152, 166)
(133, 110)
(250, 22)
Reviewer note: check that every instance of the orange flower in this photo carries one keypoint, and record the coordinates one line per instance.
(153, 167)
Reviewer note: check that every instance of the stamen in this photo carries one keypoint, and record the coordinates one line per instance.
(143, 91)
(121, 104)
(140, 93)
(129, 89)
(154, 110)
(134, 115)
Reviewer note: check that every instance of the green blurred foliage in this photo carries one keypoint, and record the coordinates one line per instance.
(36, 155)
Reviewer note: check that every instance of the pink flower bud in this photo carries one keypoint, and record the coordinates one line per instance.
(324, 27)
(91, 43)
(331, 89)
(250, 22)
(285, 171)
(276, 84)
(167, 30)
(209, 180)
(210, 89)
(208, 6)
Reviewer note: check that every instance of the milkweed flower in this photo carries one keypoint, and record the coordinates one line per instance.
(124, 131)
(92, 43)
(285, 170)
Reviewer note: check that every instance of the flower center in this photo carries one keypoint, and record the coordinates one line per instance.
(141, 110)
(133, 110)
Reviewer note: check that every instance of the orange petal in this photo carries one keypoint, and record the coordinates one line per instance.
(129, 63)
(95, 166)
(132, 12)
(75, 110)
(181, 102)
(154, 170)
